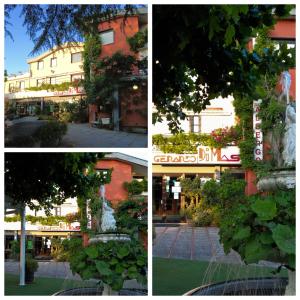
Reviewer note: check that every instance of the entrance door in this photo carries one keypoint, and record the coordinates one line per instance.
(157, 194)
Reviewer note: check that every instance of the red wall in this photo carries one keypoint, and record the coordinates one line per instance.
(134, 107)
(121, 32)
(122, 172)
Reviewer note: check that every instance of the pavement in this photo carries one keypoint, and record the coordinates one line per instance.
(80, 135)
(192, 243)
(83, 135)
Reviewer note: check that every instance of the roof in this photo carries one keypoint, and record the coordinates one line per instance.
(56, 48)
(126, 158)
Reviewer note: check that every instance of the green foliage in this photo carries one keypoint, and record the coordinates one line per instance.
(112, 262)
(210, 46)
(54, 176)
(73, 112)
(64, 86)
(188, 142)
(47, 220)
(31, 264)
(138, 40)
(272, 62)
(103, 76)
(50, 134)
(191, 187)
(22, 141)
(261, 228)
(136, 187)
(59, 24)
(131, 216)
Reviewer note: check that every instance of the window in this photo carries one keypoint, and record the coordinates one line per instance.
(107, 37)
(11, 87)
(195, 124)
(76, 57)
(57, 211)
(22, 85)
(40, 65)
(39, 82)
(53, 62)
(77, 77)
(52, 80)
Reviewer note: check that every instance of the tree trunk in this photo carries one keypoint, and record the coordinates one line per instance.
(23, 247)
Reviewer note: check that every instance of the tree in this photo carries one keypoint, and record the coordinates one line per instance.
(40, 180)
(48, 178)
(54, 25)
(200, 53)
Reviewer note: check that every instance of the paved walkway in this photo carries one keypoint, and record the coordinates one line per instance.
(83, 135)
(80, 135)
(194, 243)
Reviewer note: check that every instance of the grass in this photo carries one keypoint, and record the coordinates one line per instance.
(41, 286)
(177, 276)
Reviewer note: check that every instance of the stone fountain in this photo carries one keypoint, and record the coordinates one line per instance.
(107, 231)
(284, 176)
(106, 226)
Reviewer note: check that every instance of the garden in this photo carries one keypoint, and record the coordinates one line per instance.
(258, 225)
(110, 249)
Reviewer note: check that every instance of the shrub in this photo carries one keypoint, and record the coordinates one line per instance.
(136, 187)
(21, 141)
(131, 215)
(262, 228)
(112, 262)
(50, 134)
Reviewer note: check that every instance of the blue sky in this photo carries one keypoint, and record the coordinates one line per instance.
(17, 51)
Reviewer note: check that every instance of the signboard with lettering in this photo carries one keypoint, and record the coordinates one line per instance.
(205, 155)
(258, 135)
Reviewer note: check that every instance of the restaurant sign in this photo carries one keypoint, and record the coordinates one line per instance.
(258, 135)
(205, 155)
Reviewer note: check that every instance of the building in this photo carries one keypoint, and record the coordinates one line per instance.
(207, 163)
(31, 92)
(54, 77)
(125, 169)
(130, 107)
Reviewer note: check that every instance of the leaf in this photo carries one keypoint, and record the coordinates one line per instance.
(242, 233)
(255, 251)
(86, 274)
(119, 269)
(213, 26)
(265, 209)
(292, 261)
(117, 284)
(122, 252)
(284, 237)
(92, 252)
(229, 34)
(266, 238)
(103, 268)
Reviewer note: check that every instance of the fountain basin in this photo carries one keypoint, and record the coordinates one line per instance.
(277, 180)
(247, 287)
(106, 237)
(94, 291)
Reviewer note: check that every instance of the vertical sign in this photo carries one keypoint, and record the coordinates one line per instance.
(258, 135)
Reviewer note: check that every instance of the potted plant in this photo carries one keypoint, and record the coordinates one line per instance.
(30, 267)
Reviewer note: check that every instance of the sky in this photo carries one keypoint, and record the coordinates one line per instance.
(17, 52)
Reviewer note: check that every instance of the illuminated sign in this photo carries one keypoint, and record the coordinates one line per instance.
(258, 135)
(205, 155)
